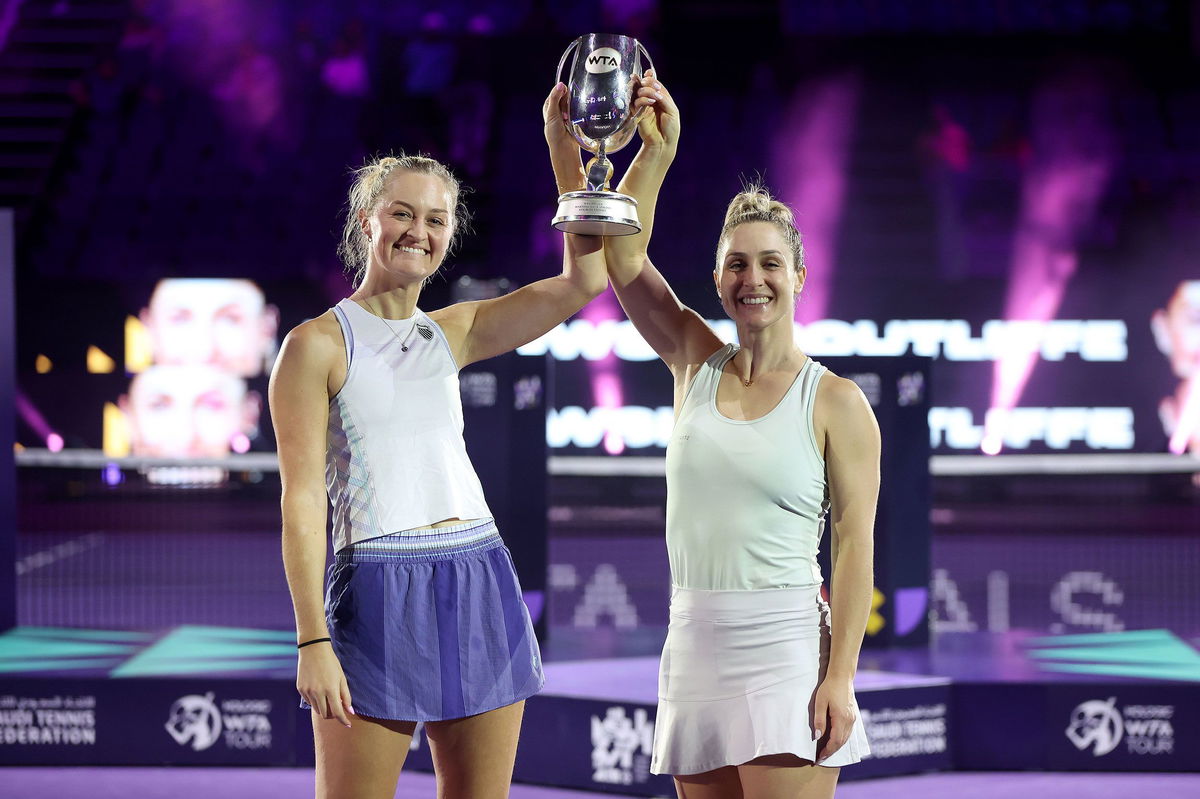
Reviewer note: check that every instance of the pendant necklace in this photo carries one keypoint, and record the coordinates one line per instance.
(425, 332)
(745, 382)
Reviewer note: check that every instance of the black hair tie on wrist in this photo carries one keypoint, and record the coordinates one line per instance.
(313, 641)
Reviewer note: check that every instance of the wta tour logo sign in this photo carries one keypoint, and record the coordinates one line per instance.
(198, 722)
(1100, 726)
(1096, 725)
(194, 720)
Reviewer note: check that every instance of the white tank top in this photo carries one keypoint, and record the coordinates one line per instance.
(396, 459)
(746, 500)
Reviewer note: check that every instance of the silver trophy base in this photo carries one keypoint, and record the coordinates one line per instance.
(597, 213)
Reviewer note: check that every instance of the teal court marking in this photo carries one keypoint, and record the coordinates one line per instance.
(1146, 654)
(32, 649)
(193, 649)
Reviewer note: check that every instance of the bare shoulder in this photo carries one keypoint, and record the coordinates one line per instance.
(317, 337)
(456, 317)
(310, 365)
(834, 391)
(842, 409)
(686, 369)
(457, 321)
(311, 351)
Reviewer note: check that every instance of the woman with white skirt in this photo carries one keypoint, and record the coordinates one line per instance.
(756, 692)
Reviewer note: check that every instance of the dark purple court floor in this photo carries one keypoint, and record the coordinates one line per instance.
(291, 783)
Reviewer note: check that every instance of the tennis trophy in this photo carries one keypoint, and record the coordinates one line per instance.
(601, 89)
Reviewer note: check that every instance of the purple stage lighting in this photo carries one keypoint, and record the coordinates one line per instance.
(808, 158)
(1073, 154)
(33, 417)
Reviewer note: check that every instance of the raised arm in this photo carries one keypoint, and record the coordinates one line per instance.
(482, 329)
(852, 446)
(678, 334)
(299, 396)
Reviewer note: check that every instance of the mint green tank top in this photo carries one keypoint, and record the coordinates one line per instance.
(746, 500)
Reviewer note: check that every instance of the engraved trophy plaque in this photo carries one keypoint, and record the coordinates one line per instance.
(601, 89)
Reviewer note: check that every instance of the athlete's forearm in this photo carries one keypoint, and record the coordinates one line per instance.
(304, 549)
(850, 603)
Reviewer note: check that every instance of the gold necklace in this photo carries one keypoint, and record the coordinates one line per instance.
(745, 382)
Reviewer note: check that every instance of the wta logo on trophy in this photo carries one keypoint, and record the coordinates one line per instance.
(602, 60)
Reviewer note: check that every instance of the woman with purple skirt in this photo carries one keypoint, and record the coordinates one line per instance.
(423, 619)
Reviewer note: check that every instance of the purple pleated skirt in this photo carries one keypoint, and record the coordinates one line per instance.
(431, 626)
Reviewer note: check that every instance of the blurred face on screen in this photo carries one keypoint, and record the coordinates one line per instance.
(219, 322)
(188, 411)
(1177, 329)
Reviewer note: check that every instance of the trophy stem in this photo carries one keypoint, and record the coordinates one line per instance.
(599, 172)
(599, 169)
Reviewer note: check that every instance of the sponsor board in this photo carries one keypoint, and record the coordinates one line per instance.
(151, 721)
(622, 743)
(602, 746)
(908, 730)
(608, 746)
(231, 721)
(1108, 729)
(201, 722)
(605, 745)
(1072, 726)
(40, 720)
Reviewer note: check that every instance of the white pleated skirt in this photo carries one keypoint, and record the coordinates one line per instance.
(737, 680)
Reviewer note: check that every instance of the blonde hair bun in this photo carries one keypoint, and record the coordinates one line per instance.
(754, 203)
(756, 200)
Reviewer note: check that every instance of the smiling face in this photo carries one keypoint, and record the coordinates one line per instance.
(755, 276)
(410, 227)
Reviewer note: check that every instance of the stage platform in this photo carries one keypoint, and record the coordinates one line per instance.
(191, 695)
